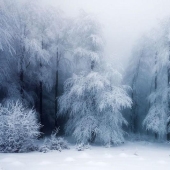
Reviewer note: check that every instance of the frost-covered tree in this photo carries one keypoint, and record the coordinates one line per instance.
(19, 128)
(93, 103)
(157, 119)
(92, 100)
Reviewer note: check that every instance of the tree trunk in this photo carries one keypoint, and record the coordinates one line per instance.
(92, 138)
(134, 106)
(93, 134)
(41, 102)
(156, 84)
(92, 65)
(21, 74)
(56, 91)
(41, 105)
(41, 95)
(168, 72)
(133, 115)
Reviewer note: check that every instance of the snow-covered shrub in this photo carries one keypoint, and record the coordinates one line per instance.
(19, 128)
(57, 143)
(53, 143)
(82, 146)
(93, 102)
(44, 147)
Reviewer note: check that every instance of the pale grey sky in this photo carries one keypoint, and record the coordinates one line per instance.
(124, 21)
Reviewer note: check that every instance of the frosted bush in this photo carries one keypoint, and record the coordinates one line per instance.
(44, 147)
(53, 143)
(19, 128)
(82, 146)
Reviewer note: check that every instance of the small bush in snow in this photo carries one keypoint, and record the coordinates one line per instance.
(44, 147)
(54, 143)
(82, 147)
(19, 128)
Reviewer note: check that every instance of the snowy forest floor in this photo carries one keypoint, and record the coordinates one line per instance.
(129, 156)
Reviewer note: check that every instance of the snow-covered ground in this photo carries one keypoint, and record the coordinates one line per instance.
(130, 156)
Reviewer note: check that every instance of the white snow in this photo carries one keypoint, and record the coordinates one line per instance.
(130, 156)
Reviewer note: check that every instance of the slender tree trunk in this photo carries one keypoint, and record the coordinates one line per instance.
(56, 91)
(41, 101)
(134, 106)
(133, 115)
(156, 84)
(41, 105)
(37, 94)
(21, 74)
(41, 95)
(93, 134)
(168, 72)
(92, 65)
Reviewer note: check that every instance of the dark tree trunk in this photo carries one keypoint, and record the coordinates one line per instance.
(37, 99)
(156, 84)
(134, 106)
(92, 65)
(93, 137)
(22, 84)
(41, 104)
(21, 74)
(41, 95)
(56, 91)
(93, 134)
(168, 72)
(133, 115)
(41, 100)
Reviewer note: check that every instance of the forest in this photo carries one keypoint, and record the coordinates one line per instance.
(55, 80)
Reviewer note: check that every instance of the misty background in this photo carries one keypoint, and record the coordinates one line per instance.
(123, 22)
